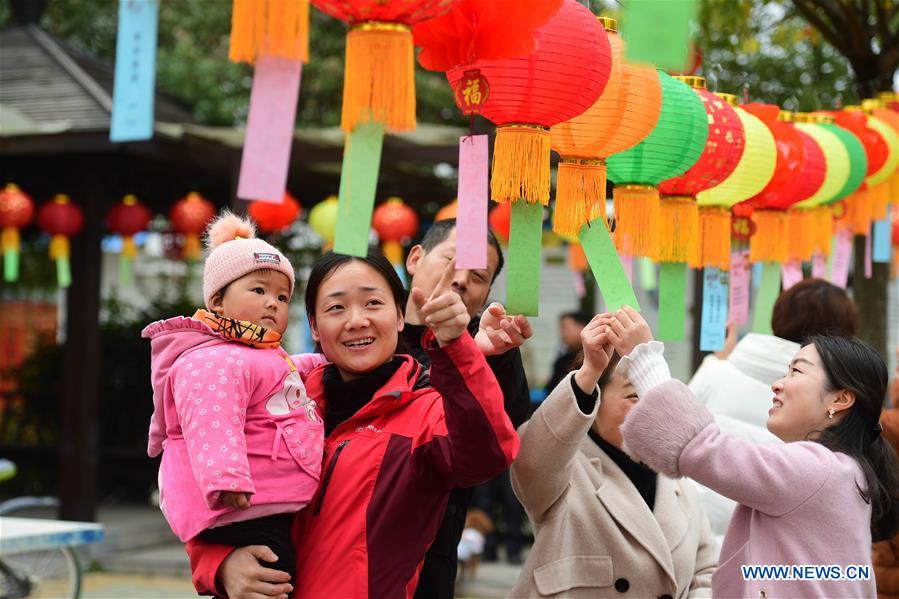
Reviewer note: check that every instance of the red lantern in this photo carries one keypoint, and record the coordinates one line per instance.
(127, 218)
(272, 218)
(501, 221)
(723, 149)
(792, 157)
(189, 216)
(16, 211)
(62, 219)
(560, 79)
(395, 223)
(379, 83)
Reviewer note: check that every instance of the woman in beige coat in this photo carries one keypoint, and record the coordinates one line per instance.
(604, 525)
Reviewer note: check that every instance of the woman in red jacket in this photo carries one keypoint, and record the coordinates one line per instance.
(396, 443)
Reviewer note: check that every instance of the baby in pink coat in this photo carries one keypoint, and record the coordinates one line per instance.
(241, 442)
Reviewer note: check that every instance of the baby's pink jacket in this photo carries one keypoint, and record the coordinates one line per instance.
(229, 417)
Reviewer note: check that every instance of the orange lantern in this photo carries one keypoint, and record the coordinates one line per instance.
(623, 115)
(62, 219)
(273, 218)
(858, 204)
(189, 216)
(396, 223)
(16, 211)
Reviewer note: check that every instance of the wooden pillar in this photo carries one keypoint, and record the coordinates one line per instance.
(79, 450)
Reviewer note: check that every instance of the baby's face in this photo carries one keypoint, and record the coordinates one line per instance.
(260, 297)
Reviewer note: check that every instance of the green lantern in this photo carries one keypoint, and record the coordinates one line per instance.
(669, 150)
(858, 160)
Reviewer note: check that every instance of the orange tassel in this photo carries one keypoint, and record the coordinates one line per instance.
(580, 194)
(520, 164)
(636, 219)
(769, 244)
(880, 200)
(824, 230)
(678, 229)
(800, 235)
(272, 27)
(393, 251)
(713, 247)
(379, 78)
(858, 209)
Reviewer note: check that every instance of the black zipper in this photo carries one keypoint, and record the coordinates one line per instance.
(327, 479)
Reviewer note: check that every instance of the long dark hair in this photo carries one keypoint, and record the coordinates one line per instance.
(331, 261)
(855, 366)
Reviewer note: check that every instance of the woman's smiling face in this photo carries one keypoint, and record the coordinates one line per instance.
(357, 320)
(801, 399)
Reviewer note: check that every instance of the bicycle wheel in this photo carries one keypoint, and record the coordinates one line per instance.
(40, 575)
(44, 574)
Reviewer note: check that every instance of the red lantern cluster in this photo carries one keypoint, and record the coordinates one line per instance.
(271, 218)
(189, 216)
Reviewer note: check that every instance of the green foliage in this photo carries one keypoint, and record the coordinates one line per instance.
(762, 46)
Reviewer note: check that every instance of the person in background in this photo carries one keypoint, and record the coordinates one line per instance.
(499, 335)
(735, 385)
(820, 497)
(604, 525)
(570, 326)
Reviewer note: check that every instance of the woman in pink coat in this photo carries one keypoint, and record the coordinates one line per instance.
(811, 505)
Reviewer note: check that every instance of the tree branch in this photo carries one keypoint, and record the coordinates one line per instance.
(808, 12)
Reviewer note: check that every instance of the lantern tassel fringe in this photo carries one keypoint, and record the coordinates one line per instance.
(520, 165)
(580, 196)
(636, 219)
(273, 27)
(801, 235)
(769, 244)
(678, 229)
(379, 79)
(880, 200)
(713, 247)
(858, 208)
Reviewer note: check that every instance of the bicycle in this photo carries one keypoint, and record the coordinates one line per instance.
(42, 573)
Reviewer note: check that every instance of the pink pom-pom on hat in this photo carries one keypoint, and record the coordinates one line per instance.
(234, 251)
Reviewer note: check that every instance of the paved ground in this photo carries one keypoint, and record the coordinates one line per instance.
(141, 559)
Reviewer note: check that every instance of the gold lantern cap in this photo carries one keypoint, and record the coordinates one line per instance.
(785, 116)
(729, 98)
(803, 117)
(872, 103)
(694, 81)
(888, 96)
(823, 117)
(608, 23)
(867, 110)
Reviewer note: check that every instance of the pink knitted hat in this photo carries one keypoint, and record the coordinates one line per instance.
(234, 251)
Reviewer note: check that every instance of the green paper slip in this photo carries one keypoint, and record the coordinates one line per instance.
(658, 32)
(358, 182)
(10, 265)
(769, 289)
(124, 271)
(672, 301)
(606, 266)
(523, 280)
(63, 273)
